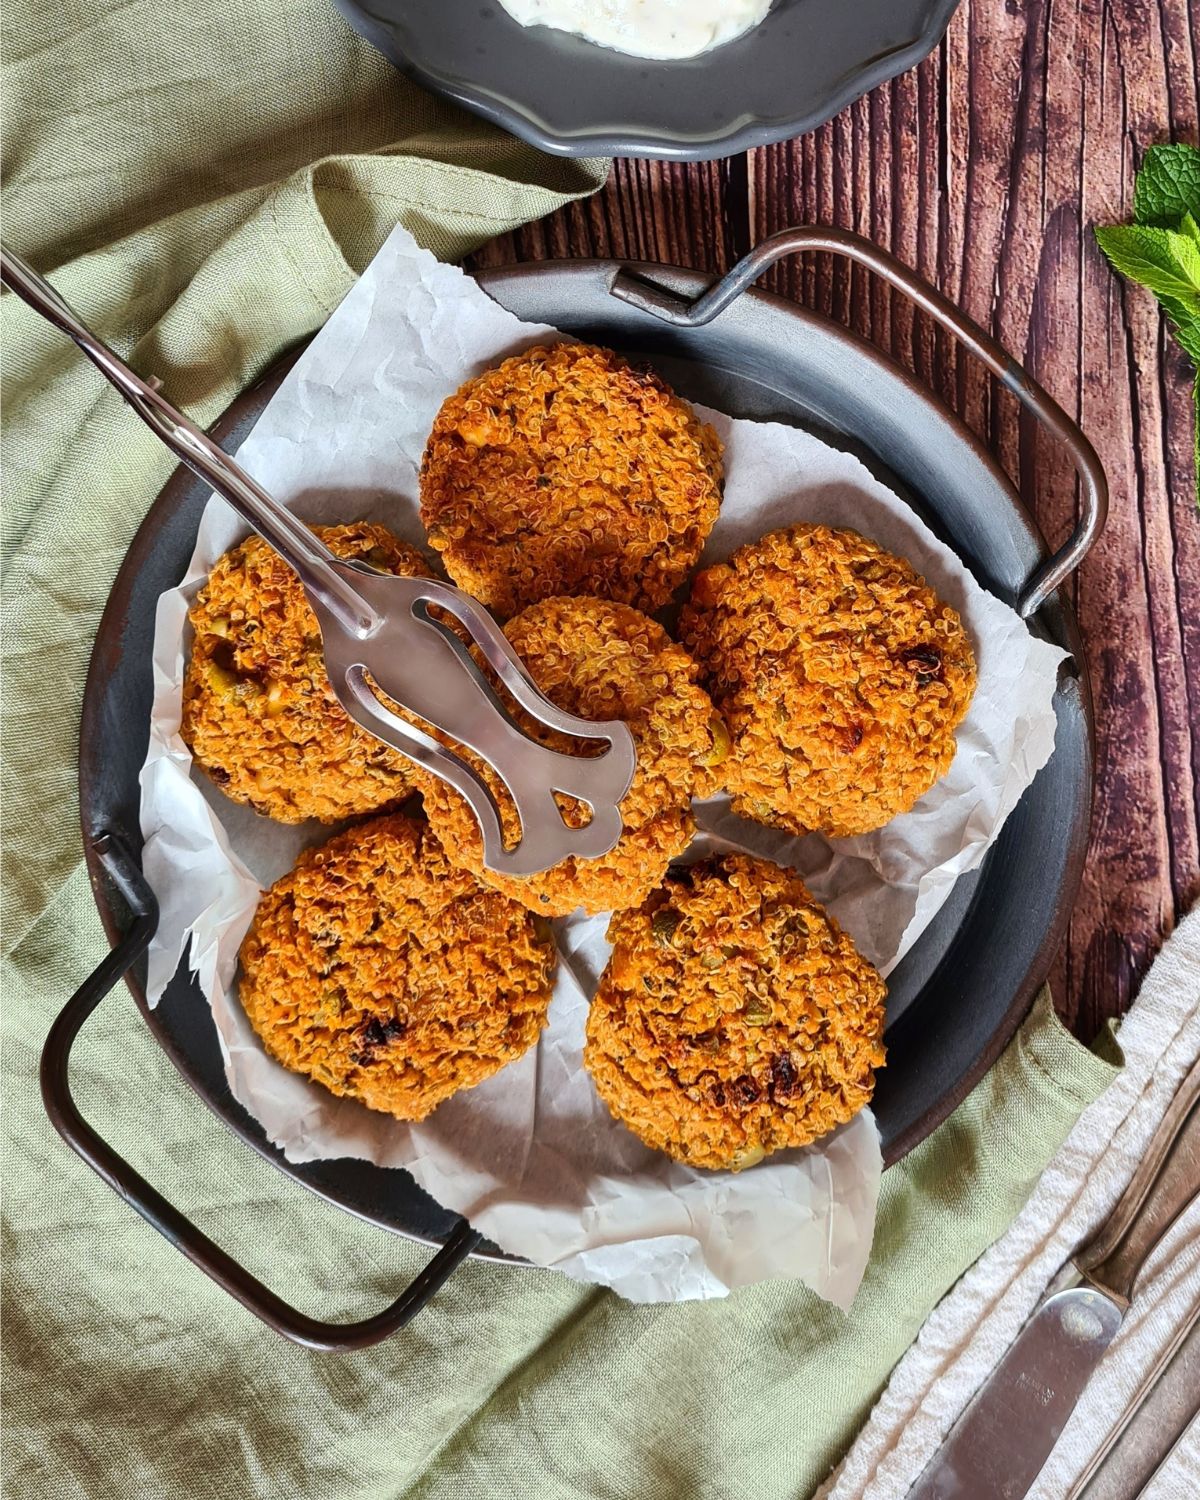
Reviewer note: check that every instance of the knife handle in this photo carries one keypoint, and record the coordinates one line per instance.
(1166, 1181)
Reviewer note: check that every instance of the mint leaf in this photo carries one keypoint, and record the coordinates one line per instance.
(1185, 326)
(1161, 249)
(1168, 263)
(1165, 261)
(1185, 249)
(1167, 186)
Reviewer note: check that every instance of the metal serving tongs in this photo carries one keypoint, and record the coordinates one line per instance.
(380, 638)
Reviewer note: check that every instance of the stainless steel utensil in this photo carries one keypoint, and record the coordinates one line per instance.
(1152, 1425)
(998, 1446)
(381, 639)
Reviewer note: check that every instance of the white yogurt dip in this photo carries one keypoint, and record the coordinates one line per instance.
(646, 28)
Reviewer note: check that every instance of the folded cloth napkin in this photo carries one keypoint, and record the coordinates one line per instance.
(204, 180)
(973, 1326)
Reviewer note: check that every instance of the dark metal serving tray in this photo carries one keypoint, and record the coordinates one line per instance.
(955, 1000)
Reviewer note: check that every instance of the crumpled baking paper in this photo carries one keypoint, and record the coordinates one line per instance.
(531, 1156)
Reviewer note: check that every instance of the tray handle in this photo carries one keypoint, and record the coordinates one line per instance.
(123, 871)
(671, 308)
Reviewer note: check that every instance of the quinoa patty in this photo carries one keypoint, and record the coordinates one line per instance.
(841, 676)
(259, 713)
(388, 975)
(735, 1017)
(602, 661)
(567, 471)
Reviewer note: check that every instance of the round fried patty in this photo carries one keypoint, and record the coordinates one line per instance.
(567, 471)
(259, 713)
(840, 675)
(735, 1017)
(389, 975)
(601, 660)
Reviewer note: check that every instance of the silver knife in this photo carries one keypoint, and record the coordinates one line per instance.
(999, 1444)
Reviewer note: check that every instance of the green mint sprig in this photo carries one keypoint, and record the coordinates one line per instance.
(1161, 248)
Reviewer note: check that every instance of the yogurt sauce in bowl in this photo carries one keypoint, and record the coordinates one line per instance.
(645, 28)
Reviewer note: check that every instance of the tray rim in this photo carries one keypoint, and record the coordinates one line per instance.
(115, 613)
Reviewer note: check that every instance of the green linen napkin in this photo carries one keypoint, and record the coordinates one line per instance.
(205, 180)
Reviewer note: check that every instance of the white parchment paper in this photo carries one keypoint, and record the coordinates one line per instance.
(531, 1156)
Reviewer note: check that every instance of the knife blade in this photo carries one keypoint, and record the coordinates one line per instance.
(1001, 1441)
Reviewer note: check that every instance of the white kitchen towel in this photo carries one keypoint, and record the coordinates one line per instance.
(970, 1329)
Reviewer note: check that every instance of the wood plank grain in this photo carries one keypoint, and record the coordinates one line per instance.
(987, 168)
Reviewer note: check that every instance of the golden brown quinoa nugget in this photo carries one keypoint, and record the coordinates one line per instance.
(735, 1017)
(567, 471)
(841, 676)
(601, 660)
(388, 975)
(259, 713)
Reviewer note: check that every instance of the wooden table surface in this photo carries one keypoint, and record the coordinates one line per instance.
(986, 169)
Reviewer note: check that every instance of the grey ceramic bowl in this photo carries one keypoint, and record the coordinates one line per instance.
(805, 62)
